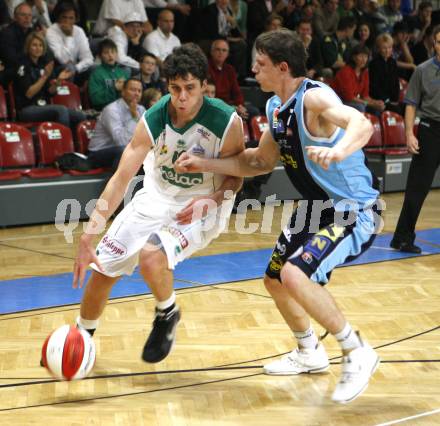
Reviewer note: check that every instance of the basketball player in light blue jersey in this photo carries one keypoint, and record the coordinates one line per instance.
(319, 141)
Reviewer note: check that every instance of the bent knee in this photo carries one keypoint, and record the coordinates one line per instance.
(292, 276)
(152, 260)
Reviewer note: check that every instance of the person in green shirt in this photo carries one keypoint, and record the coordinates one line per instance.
(107, 79)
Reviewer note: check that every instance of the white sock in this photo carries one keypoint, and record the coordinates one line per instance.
(166, 303)
(87, 324)
(306, 339)
(347, 338)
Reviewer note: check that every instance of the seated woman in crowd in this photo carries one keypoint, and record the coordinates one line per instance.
(36, 83)
(384, 78)
(351, 82)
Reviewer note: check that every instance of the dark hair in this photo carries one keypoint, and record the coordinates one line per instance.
(435, 30)
(131, 79)
(284, 45)
(147, 54)
(273, 17)
(184, 60)
(107, 43)
(357, 50)
(63, 7)
(346, 22)
(400, 27)
(424, 5)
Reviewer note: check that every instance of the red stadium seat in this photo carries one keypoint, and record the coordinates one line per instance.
(393, 130)
(3, 105)
(84, 132)
(375, 143)
(54, 140)
(17, 151)
(259, 124)
(68, 94)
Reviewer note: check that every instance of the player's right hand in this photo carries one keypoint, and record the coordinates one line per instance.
(187, 163)
(85, 256)
(413, 144)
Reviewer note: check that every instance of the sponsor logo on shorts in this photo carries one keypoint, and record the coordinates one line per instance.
(177, 234)
(307, 257)
(276, 262)
(281, 248)
(114, 247)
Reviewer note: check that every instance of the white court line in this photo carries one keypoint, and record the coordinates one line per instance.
(427, 413)
(32, 237)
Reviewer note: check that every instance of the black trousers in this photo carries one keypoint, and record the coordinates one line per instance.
(421, 174)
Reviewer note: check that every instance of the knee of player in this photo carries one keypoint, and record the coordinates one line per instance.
(273, 285)
(292, 276)
(152, 260)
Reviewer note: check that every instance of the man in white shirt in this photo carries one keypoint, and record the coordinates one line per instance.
(69, 43)
(129, 37)
(162, 41)
(112, 13)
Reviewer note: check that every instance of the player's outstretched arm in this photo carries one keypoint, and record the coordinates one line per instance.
(250, 162)
(329, 110)
(131, 160)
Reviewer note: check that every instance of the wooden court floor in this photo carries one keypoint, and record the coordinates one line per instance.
(227, 332)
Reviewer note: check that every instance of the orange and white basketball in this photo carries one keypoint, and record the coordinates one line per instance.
(69, 353)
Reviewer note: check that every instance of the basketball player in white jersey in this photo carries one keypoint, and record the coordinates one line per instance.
(164, 222)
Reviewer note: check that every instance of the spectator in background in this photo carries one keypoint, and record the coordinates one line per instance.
(36, 83)
(419, 23)
(424, 50)
(107, 79)
(351, 83)
(326, 19)
(401, 51)
(40, 13)
(149, 73)
(364, 35)
(162, 41)
(115, 126)
(346, 8)
(12, 40)
(81, 8)
(273, 22)
(128, 40)
(384, 79)
(5, 16)
(314, 59)
(334, 47)
(181, 14)
(217, 21)
(239, 10)
(225, 78)
(113, 12)
(150, 97)
(391, 12)
(69, 43)
(258, 11)
(293, 13)
(210, 88)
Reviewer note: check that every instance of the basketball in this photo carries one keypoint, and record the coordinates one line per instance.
(69, 353)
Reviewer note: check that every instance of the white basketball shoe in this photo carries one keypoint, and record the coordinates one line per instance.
(299, 361)
(357, 368)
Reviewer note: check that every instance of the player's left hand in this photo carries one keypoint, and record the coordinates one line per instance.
(197, 209)
(324, 156)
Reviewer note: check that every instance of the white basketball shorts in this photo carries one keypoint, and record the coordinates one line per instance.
(136, 225)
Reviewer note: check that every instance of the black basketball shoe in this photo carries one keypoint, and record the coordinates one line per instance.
(162, 336)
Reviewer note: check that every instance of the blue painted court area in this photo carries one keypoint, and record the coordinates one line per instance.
(56, 290)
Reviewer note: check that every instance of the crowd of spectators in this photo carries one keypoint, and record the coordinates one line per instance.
(362, 48)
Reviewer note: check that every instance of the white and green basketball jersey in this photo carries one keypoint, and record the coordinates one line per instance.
(203, 136)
